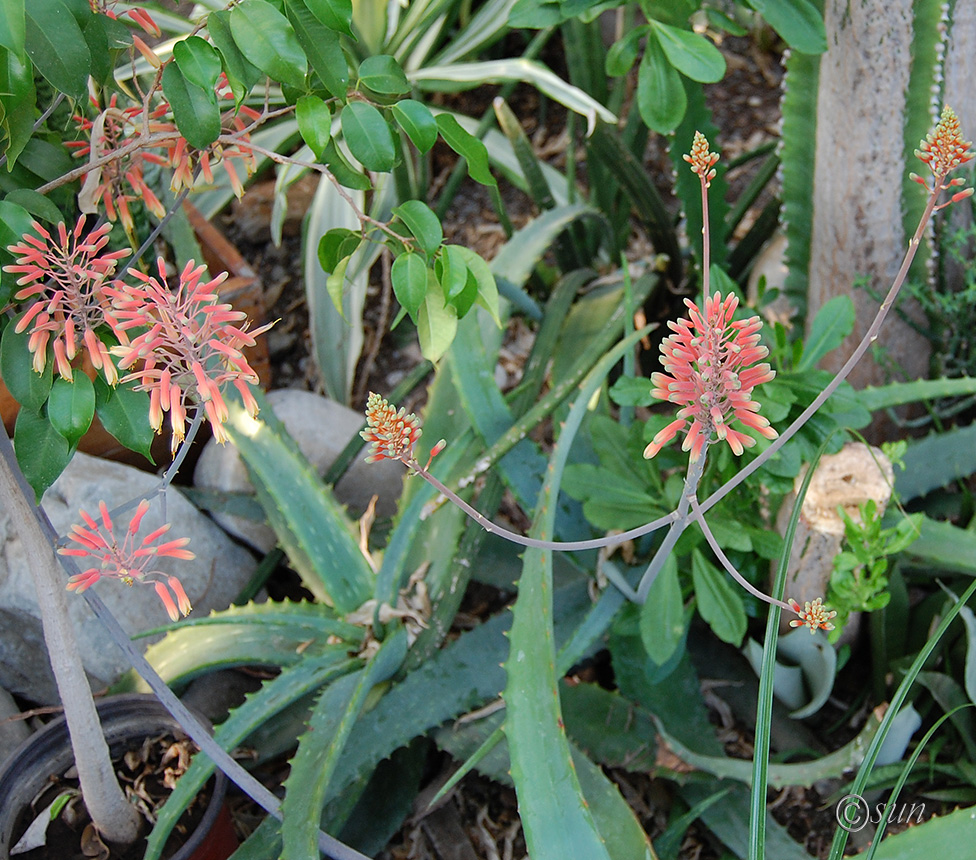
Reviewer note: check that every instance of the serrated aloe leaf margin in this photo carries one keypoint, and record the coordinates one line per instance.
(555, 818)
(310, 525)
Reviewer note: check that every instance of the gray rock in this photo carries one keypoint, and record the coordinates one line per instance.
(212, 580)
(321, 428)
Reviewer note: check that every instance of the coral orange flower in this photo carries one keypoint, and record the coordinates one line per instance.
(701, 160)
(68, 279)
(129, 561)
(712, 361)
(813, 615)
(190, 346)
(392, 433)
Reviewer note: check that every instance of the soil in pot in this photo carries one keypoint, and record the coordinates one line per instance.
(148, 768)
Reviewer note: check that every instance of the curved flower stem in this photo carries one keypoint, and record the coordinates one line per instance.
(870, 336)
(681, 520)
(722, 557)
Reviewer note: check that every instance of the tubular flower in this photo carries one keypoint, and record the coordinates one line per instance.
(189, 347)
(392, 433)
(129, 562)
(701, 160)
(68, 279)
(813, 615)
(943, 151)
(710, 359)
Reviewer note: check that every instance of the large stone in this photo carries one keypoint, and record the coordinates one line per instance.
(212, 580)
(321, 428)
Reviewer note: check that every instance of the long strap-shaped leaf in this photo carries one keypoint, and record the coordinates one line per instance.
(309, 523)
(319, 749)
(555, 818)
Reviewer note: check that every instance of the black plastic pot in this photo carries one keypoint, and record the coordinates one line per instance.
(126, 722)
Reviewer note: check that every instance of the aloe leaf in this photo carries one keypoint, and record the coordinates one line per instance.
(292, 684)
(319, 749)
(556, 820)
(311, 526)
(936, 461)
(258, 634)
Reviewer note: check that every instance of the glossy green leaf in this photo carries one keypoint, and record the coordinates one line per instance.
(623, 53)
(71, 406)
(797, 21)
(382, 74)
(29, 388)
(42, 452)
(452, 272)
(719, 602)
(314, 123)
(468, 147)
(106, 39)
(125, 414)
(423, 223)
(833, 322)
(35, 204)
(335, 14)
(322, 48)
(194, 108)
(409, 277)
(236, 64)
(12, 26)
(266, 38)
(691, 54)
(335, 285)
(17, 104)
(661, 97)
(56, 46)
(487, 288)
(341, 169)
(15, 223)
(368, 136)
(336, 245)
(417, 121)
(662, 617)
(198, 60)
(436, 321)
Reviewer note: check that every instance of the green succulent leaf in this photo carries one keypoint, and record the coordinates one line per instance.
(368, 136)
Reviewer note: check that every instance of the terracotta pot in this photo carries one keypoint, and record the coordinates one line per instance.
(242, 289)
(126, 722)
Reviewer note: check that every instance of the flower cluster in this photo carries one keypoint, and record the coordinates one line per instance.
(392, 433)
(69, 279)
(710, 358)
(121, 141)
(813, 615)
(943, 151)
(190, 345)
(701, 160)
(129, 562)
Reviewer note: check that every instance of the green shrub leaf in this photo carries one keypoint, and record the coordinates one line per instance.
(322, 48)
(719, 603)
(29, 388)
(194, 108)
(409, 277)
(692, 55)
(423, 223)
(468, 147)
(382, 74)
(368, 136)
(662, 617)
(71, 406)
(199, 61)
(661, 97)
(797, 21)
(417, 121)
(314, 123)
(125, 414)
(335, 14)
(267, 40)
(42, 452)
(436, 321)
(57, 47)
